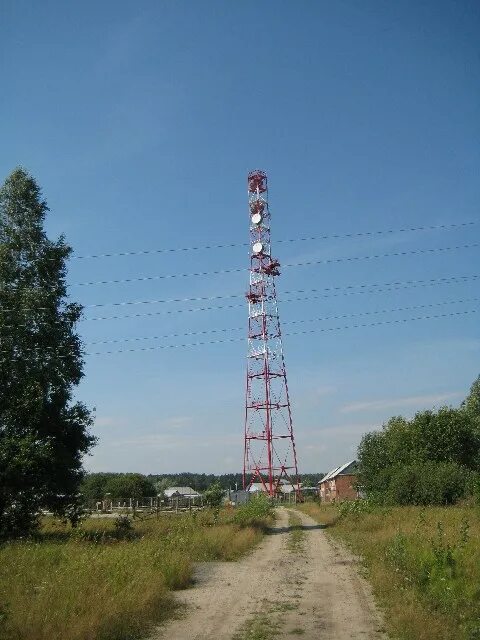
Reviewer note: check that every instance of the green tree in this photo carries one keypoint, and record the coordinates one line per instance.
(129, 485)
(161, 485)
(93, 486)
(446, 435)
(426, 460)
(471, 404)
(213, 496)
(434, 483)
(378, 452)
(43, 433)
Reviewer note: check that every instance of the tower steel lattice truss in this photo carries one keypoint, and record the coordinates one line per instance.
(269, 457)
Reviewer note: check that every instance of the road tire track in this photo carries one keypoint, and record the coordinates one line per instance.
(314, 592)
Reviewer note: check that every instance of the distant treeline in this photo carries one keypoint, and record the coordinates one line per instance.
(135, 485)
(201, 481)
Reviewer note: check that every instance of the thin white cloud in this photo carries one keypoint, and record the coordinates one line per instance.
(315, 395)
(151, 441)
(393, 403)
(176, 422)
(315, 448)
(162, 441)
(349, 429)
(324, 390)
(108, 421)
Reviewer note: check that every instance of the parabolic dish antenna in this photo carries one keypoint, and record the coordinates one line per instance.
(257, 247)
(256, 218)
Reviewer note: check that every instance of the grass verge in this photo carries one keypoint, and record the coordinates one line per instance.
(267, 623)
(260, 627)
(423, 563)
(296, 536)
(108, 582)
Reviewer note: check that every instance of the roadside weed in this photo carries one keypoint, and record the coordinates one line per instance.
(423, 563)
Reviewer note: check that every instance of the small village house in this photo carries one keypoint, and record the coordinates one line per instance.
(182, 497)
(181, 492)
(339, 484)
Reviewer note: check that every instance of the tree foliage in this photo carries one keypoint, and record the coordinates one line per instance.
(129, 485)
(214, 495)
(471, 404)
(95, 486)
(429, 483)
(43, 432)
(430, 459)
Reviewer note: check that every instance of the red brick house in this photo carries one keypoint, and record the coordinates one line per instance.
(339, 483)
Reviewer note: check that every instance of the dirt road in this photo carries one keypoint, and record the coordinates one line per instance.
(310, 588)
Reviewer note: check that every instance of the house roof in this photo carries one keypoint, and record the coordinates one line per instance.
(338, 471)
(181, 491)
(255, 486)
(283, 487)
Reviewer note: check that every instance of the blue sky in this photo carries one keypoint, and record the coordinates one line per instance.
(141, 121)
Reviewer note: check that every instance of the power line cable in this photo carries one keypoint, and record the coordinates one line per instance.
(302, 321)
(290, 264)
(124, 303)
(296, 333)
(375, 289)
(228, 340)
(345, 290)
(242, 295)
(231, 245)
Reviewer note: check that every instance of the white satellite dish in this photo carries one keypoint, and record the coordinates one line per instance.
(257, 247)
(256, 218)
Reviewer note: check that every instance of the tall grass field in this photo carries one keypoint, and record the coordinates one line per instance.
(423, 563)
(111, 581)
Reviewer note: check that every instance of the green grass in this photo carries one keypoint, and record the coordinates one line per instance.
(296, 537)
(260, 627)
(104, 583)
(267, 622)
(423, 563)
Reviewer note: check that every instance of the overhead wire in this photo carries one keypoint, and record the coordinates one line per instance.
(288, 292)
(400, 283)
(225, 330)
(231, 245)
(341, 290)
(345, 290)
(295, 333)
(290, 264)
(302, 321)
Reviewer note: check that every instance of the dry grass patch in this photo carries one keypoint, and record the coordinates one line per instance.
(104, 582)
(424, 564)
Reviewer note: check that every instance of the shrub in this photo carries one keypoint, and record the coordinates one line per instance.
(257, 512)
(355, 507)
(434, 483)
(213, 496)
(124, 528)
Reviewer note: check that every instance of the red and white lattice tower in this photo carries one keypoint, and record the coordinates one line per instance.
(270, 457)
